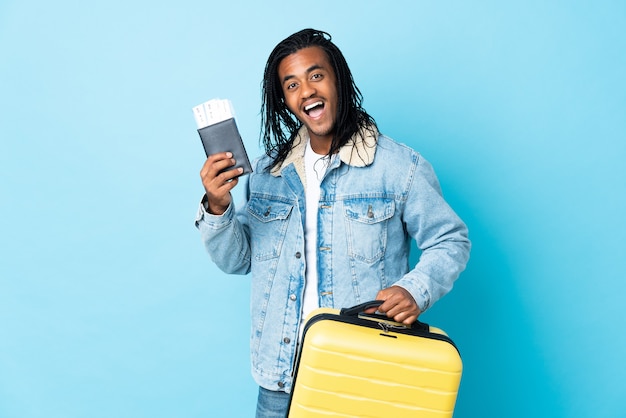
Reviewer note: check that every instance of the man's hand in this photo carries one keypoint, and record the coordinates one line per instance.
(218, 185)
(399, 305)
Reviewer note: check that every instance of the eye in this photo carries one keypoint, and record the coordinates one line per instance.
(291, 86)
(317, 76)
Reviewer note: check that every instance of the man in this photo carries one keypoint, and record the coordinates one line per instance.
(329, 214)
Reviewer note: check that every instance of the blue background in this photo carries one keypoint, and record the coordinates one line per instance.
(109, 306)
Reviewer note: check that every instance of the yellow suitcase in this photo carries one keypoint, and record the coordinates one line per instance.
(357, 365)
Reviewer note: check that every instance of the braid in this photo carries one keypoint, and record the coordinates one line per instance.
(279, 126)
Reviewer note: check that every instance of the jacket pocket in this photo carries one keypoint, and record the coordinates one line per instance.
(268, 224)
(366, 226)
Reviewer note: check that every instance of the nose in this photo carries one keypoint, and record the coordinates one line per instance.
(308, 90)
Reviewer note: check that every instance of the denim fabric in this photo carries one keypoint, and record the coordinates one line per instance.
(374, 199)
(272, 404)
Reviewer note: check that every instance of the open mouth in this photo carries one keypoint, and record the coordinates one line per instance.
(313, 110)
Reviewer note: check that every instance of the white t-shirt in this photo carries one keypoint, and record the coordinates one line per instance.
(315, 166)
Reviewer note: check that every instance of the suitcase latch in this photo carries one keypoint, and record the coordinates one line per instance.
(387, 327)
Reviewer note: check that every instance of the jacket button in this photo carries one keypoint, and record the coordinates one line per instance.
(298, 255)
(286, 340)
(281, 385)
(293, 297)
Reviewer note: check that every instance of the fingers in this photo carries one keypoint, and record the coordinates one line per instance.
(216, 165)
(398, 304)
(218, 180)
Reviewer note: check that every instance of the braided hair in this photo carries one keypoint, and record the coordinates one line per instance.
(279, 126)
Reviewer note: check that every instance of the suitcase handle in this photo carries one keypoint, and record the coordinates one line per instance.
(358, 310)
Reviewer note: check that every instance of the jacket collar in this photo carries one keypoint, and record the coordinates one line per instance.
(358, 151)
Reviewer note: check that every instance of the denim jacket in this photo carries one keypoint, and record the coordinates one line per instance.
(374, 198)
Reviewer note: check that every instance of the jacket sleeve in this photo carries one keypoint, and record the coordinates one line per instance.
(439, 233)
(226, 239)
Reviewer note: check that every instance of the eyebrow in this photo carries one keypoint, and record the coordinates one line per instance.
(308, 71)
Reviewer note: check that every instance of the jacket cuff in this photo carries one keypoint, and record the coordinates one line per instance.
(213, 221)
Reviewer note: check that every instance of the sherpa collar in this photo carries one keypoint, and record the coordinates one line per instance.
(358, 152)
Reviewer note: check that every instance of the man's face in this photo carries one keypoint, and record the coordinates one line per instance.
(309, 86)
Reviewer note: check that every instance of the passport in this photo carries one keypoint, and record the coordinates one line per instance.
(219, 133)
